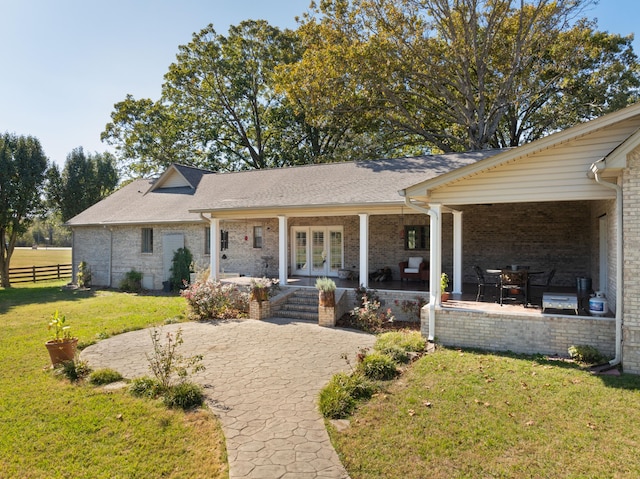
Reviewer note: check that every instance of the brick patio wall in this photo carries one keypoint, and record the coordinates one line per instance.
(631, 229)
(526, 334)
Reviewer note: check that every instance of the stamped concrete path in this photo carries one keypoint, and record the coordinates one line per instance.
(262, 379)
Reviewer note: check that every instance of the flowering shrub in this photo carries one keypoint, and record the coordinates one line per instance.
(214, 300)
(369, 316)
(412, 308)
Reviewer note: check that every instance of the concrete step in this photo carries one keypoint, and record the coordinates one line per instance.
(303, 304)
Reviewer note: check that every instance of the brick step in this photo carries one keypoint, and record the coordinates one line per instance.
(305, 308)
(297, 315)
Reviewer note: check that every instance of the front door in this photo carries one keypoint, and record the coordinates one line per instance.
(317, 251)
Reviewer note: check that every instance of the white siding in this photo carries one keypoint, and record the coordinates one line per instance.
(554, 174)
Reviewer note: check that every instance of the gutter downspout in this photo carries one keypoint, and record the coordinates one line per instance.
(619, 261)
(434, 269)
(110, 256)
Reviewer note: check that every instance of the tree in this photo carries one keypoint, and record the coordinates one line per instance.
(22, 175)
(221, 109)
(459, 74)
(85, 180)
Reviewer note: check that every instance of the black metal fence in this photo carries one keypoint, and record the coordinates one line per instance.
(40, 273)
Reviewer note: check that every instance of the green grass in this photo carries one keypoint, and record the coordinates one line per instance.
(23, 257)
(54, 429)
(457, 414)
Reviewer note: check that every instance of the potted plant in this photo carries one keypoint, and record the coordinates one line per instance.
(61, 346)
(326, 292)
(444, 284)
(260, 289)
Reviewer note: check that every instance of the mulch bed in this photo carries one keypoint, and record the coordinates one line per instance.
(347, 321)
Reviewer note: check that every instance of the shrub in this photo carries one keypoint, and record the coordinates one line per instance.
(214, 300)
(408, 341)
(396, 353)
(369, 317)
(104, 376)
(165, 362)
(585, 354)
(145, 387)
(185, 395)
(335, 401)
(378, 366)
(339, 397)
(412, 308)
(181, 268)
(363, 293)
(132, 282)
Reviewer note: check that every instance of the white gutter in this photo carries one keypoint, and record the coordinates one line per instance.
(434, 266)
(619, 261)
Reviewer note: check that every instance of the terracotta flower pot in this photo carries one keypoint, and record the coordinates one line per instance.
(444, 297)
(327, 298)
(61, 351)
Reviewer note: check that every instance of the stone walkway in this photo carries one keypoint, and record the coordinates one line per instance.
(262, 379)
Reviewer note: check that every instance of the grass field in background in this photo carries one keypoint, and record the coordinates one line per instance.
(23, 257)
(54, 429)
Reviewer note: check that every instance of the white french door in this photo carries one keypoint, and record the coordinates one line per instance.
(317, 251)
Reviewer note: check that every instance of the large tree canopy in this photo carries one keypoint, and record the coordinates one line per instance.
(85, 180)
(459, 74)
(22, 176)
(221, 109)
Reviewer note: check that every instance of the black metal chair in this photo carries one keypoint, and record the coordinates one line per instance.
(537, 290)
(482, 283)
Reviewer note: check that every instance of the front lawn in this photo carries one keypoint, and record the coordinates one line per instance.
(464, 414)
(54, 429)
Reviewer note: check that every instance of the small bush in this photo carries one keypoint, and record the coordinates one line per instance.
(181, 268)
(132, 282)
(585, 354)
(145, 387)
(378, 366)
(339, 397)
(369, 317)
(335, 401)
(407, 341)
(214, 300)
(185, 395)
(104, 376)
(396, 353)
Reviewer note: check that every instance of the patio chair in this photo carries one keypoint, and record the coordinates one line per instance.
(415, 268)
(537, 290)
(482, 284)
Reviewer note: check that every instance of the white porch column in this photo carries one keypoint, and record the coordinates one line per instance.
(457, 252)
(214, 249)
(364, 249)
(435, 265)
(283, 258)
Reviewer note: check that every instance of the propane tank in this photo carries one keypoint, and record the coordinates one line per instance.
(598, 304)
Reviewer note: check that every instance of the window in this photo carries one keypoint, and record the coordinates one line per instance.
(257, 236)
(224, 240)
(416, 237)
(207, 240)
(147, 240)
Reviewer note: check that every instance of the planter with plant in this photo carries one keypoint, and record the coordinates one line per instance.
(61, 346)
(326, 292)
(444, 284)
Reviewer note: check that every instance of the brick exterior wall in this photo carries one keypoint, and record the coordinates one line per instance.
(527, 334)
(631, 292)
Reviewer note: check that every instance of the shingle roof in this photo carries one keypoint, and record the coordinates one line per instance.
(329, 184)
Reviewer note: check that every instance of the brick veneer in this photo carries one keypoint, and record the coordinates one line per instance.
(631, 232)
(528, 334)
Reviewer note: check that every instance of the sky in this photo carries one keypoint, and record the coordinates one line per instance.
(65, 63)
